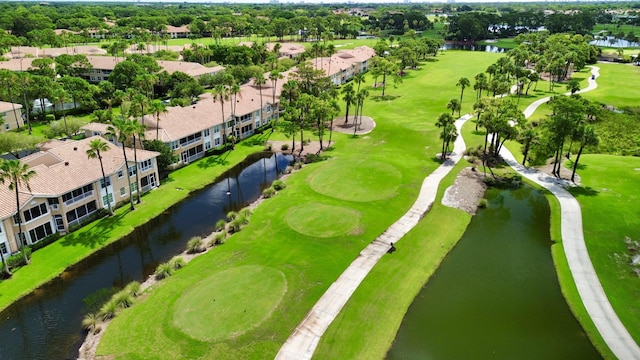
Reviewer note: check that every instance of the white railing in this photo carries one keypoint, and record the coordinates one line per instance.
(79, 197)
(79, 220)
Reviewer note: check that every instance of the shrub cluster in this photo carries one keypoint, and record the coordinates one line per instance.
(276, 186)
(120, 300)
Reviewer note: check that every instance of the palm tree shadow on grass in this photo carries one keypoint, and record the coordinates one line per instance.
(583, 191)
(214, 160)
(95, 234)
(385, 98)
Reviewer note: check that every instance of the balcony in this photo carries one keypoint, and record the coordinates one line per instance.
(78, 198)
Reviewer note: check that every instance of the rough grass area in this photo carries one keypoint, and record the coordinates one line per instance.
(405, 140)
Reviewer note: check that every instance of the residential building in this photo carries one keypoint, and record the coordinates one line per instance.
(177, 32)
(343, 65)
(11, 115)
(192, 130)
(102, 66)
(68, 189)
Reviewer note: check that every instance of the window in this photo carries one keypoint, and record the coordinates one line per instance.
(216, 141)
(174, 145)
(3, 248)
(230, 124)
(216, 129)
(35, 212)
(104, 199)
(134, 187)
(207, 145)
(81, 212)
(145, 165)
(245, 118)
(40, 232)
(54, 203)
(190, 139)
(132, 170)
(108, 182)
(120, 174)
(77, 194)
(122, 191)
(207, 132)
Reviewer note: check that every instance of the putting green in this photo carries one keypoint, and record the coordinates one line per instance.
(362, 181)
(229, 303)
(322, 220)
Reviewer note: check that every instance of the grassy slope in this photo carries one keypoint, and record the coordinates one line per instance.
(312, 264)
(49, 262)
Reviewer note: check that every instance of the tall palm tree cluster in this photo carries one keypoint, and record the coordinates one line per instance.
(309, 102)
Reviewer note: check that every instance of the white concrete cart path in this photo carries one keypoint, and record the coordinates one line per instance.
(303, 341)
(593, 296)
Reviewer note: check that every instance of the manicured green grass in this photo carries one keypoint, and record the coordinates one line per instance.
(405, 140)
(614, 86)
(615, 28)
(51, 261)
(322, 220)
(609, 199)
(218, 306)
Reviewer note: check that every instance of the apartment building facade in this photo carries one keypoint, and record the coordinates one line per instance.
(68, 189)
(11, 115)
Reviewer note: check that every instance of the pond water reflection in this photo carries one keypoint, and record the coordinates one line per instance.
(496, 295)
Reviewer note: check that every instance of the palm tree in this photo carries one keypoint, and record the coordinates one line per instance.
(349, 97)
(454, 105)
(221, 93)
(360, 96)
(137, 129)
(443, 121)
(120, 130)
(481, 84)
(96, 146)
(9, 80)
(17, 174)
(448, 134)
(260, 80)
(157, 108)
(463, 83)
(61, 96)
(234, 90)
(331, 49)
(274, 76)
(359, 79)
(138, 106)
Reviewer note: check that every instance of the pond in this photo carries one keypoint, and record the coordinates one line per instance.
(474, 47)
(496, 295)
(47, 323)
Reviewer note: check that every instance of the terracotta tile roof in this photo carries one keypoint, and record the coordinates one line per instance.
(193, 69)
(66, 167)
(7, 106)
(22, 51)
(177, 29)
(16, 64)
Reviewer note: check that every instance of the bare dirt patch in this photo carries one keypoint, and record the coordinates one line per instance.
(565, 174)
(365, 125)
(466, 191)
